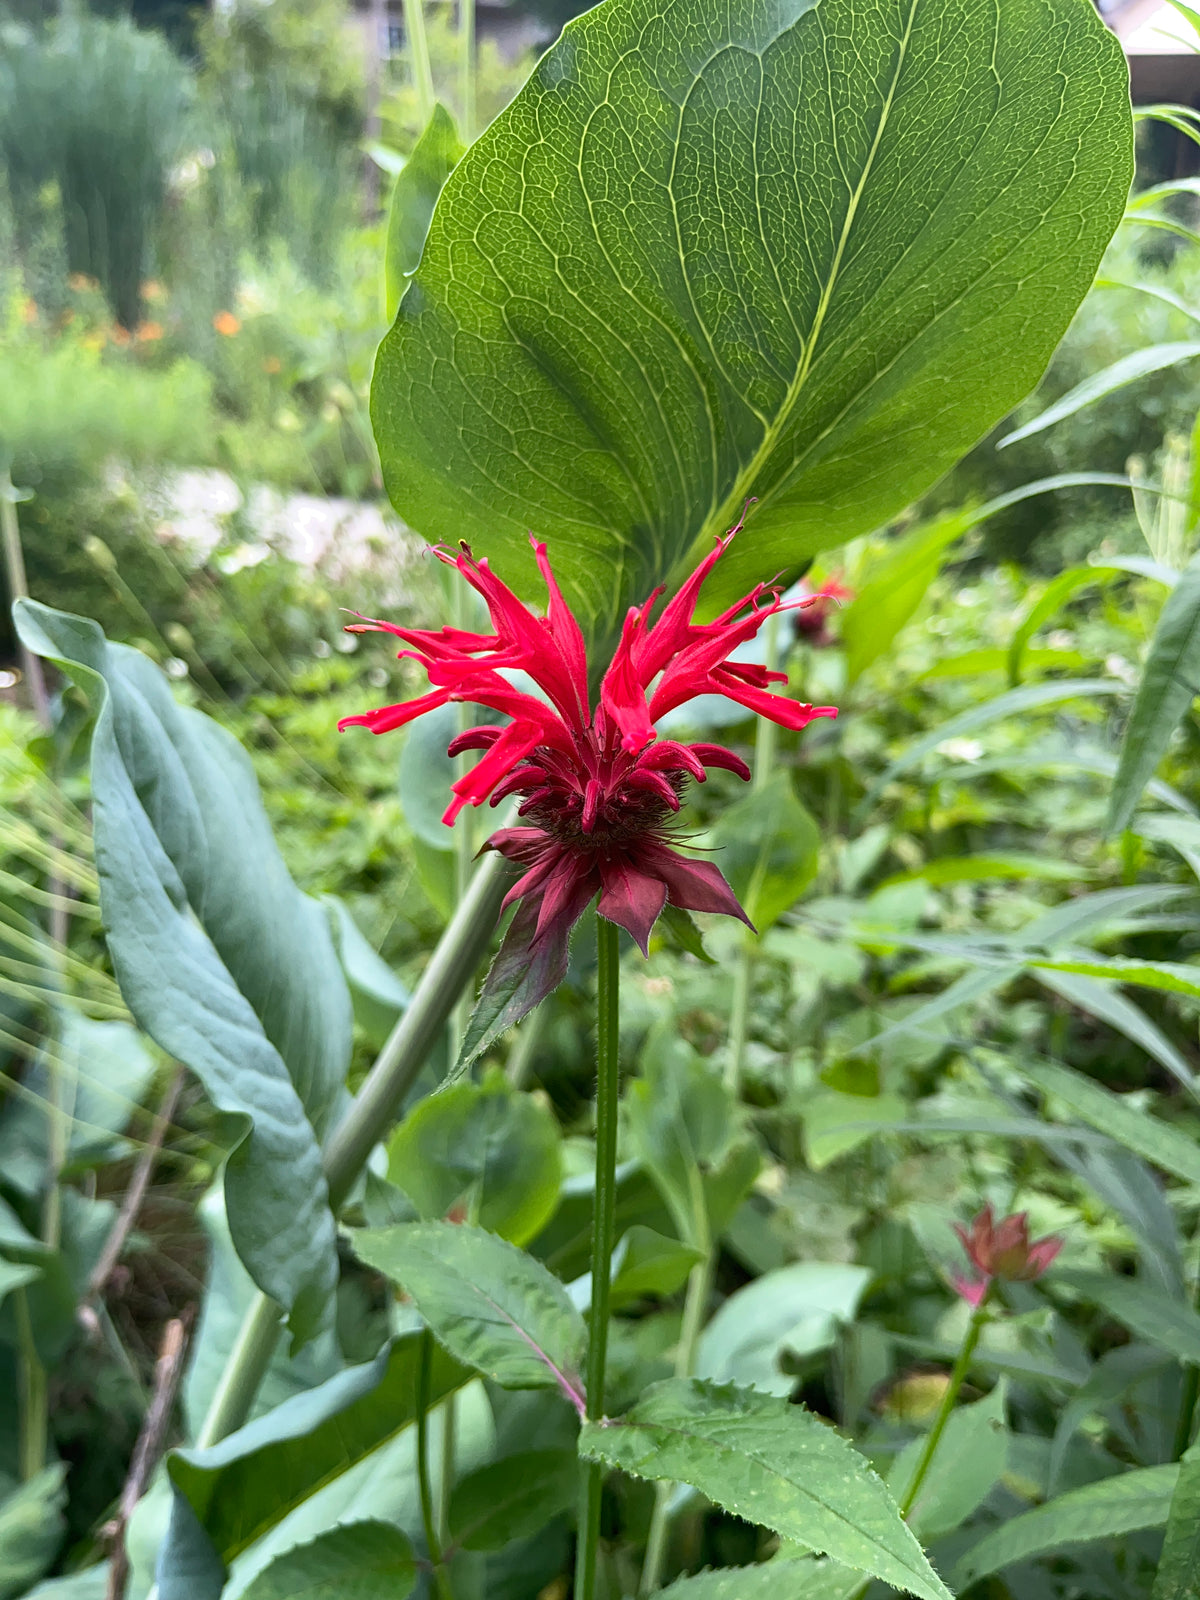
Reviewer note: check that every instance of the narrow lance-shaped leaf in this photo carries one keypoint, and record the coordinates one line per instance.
(1138, 364)
(418, 184)
(1137, 1499)
(1178, 1576)
(1170, 682)
(774, 1464)
(804, 252)
(219, 956)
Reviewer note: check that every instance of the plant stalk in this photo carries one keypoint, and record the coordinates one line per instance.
(466, 67)
(766, 744)
(418, 54)
(432, 1539)
(32, 1409)
(458, 953)
(18, 589)
(603, 1229)
(962, 1366)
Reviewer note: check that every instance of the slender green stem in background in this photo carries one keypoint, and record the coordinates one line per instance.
(957, 1378)
(418, 55)
(31, 1399)
(603, 1229)
(18, 589)
(766, 742)
(374, 1107)
(694, 1306)
(521, 1056)
(432, 1541)
(466, 67)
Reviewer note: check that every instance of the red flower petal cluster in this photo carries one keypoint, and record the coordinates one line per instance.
(599, 786)
(1002, 1250)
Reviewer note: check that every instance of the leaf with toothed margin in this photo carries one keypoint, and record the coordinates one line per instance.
(520, 977)
(774, 1464)
(493, 1306)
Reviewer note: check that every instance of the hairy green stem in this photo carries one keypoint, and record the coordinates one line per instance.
(603, 1229)
(418, 55)
(766, 743)
(458, 953)
(958, 1376)
(432, 1540)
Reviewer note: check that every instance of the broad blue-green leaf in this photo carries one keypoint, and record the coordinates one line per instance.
(1178, 1576)
(1140, 1498)
(511, 1498)
(418, 184)
(228, 1496)
(773, 1580)
(219, 956)
(1155, 1141)
(378, 996)
(356, 1561)
(491, 1149)
(767, 845)
(490, 1304)
(1170, 682)
(31, 1530)
(772, 1463)
(795, 1310)
(1138, 364)
(425, 774)
(969, 1460)
(804, 252)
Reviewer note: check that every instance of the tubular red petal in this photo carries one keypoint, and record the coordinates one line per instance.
(654, 783)
(622, 694)
(668, 756)
(567, 635)
(592, 796)
(716, 755)
(481, 738)
(513, 745)
(388, 717)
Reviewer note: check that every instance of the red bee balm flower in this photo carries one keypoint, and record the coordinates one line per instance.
(1002, 1250)
(600, 787)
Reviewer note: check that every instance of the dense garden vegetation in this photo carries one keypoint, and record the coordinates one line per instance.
(974, 980)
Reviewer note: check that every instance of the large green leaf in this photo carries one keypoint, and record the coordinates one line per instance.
(1178, 1576)
(797, 1309)
(31, 1530)
(486, 1147)
(1105, 1510)
(230, 1495)
(356, 1561)
(773, 1580)
(490, 1304)
(1170, 682)
(969, 1460)
(219, 956)
(767, 845)
(804, 252)
(772, 1463)
(511, 1498)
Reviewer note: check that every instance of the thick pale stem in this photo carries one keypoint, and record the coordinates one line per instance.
(418, 55)
(458, 953)
(603, 1229)
(466, 67)
(31, 1400)
(18, 589)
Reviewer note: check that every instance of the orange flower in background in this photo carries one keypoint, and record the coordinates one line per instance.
(148, 332)
(272, 364)
(80, 282)
(29, 312)
(120, 335)
(153, 291)
(226, 324)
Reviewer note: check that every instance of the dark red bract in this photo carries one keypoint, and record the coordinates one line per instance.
(599, 787)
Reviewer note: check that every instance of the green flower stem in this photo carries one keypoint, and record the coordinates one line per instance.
(458, 953)
(418, 55)
(18, 588)
(603, 1229)
(432, 1540)
(962, 1366)
(766, 743)
(32, 1409)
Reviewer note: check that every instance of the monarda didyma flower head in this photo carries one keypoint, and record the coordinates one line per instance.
(599, 787)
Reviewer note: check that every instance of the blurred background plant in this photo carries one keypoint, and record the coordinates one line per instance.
(191, 292)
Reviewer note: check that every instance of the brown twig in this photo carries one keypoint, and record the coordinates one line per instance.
(167, 1373)
(136, 1192)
